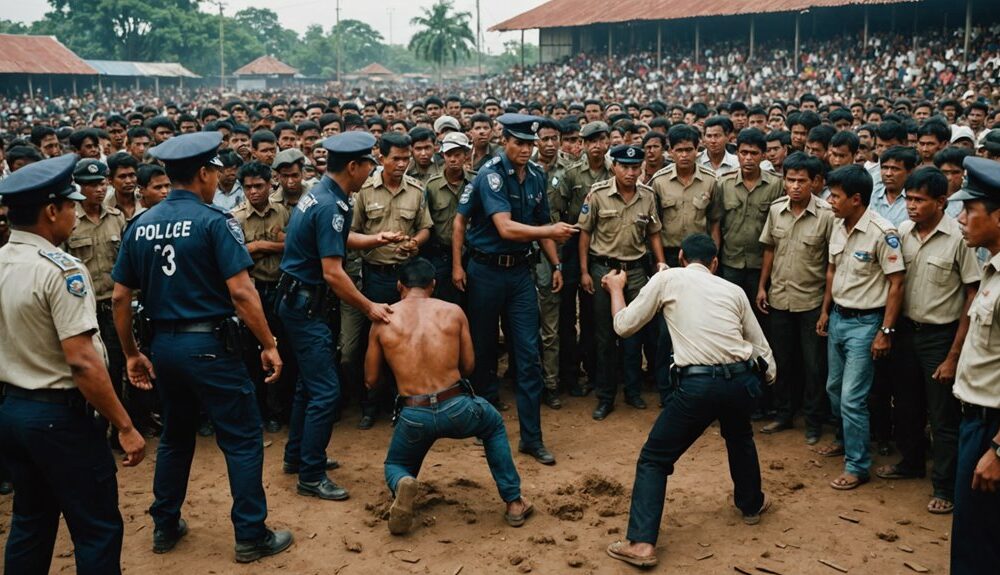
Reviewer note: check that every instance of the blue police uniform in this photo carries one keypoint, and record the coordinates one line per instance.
(180, 254)
(500, 280)
(55, 449)
(318, 228)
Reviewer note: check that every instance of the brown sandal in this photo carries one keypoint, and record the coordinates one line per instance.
(832, 450)
(842, 483)
(943, 506)
(617, 551)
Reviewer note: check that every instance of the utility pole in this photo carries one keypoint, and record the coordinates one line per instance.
(479, 43)
(339, 31)
(389, 11)
(222, 47)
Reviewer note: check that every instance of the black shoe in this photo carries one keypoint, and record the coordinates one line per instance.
(293, 468)
(636, 402)
(541, 455)
(812, 436)
(776, 426)
(6, 488)
(551, 399)
(272, 426)
(366, 422)
(603, 409)
(273, 543)
(166, 539)
(580, 390)
(206, 429)
(324, 489)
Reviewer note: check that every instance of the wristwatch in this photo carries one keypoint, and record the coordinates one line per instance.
(558, 267)
(887, 330)
(995, 447)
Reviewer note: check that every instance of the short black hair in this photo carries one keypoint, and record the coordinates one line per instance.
(138, 132)
(822, 134)
(392, 140)
(121, 160)
(807, 119)
(117, 119)
(846, 138)
(950, 155)
(940, 130)
(840, 114)
(77, 138)
(16, 153)
(659, 124)
(904, 154)
(752, 137)
(721, 121)
(147, 172)
(683, 133)
(420, 134)
(39, 133)
(417, 273)
(230, 159)
(800, 161)
(654, 135)
(306, 125)
(890, 130)
(282, 127)
(853, 180)
(27, 215)
(783, 136)
(480, 117)
(262, 136)
(699, 248)
(160, 122)
(254, 169)
(929, 179)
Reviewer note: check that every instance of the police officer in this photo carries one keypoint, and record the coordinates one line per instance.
(316, 244)
(976, 522)
(443, 192)
(54, 375)
(617, 222)
(189, 259)
(506, 209)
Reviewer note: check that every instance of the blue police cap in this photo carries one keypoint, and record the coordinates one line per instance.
(521, 126)
(354, 145)
(41, 182)
(626, 154)
(196, 148)
(90, 170)
(982, 180)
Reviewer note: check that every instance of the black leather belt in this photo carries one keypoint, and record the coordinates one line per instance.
(614, 264)
(917, 326)
(972, 411)
(431, 399)
(58, 396)
(262, 285)
(382, 268)
(851, 312)
(187, 326)
(502, 260)
(726, 370)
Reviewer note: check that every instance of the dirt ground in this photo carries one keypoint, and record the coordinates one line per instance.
(581, 506)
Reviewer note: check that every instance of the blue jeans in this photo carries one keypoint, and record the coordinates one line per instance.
(851, 368)
(457, 418)
(509, 291)
(975, 527)
(60, 463)
(194, 369)
(317, 392)
(694, 405)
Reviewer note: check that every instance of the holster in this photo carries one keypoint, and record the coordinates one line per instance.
(229, 332)
(760, 366)
(142, 326)
(675, 373)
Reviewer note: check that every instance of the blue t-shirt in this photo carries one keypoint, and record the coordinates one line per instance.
(317, 229)
(496, 190)
(180, 253)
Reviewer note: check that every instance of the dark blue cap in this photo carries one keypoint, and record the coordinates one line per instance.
(90, 170)
(626, 154)
(196, 148)
(41, 182)
(982, 180)
(353, 145)
(521, 126)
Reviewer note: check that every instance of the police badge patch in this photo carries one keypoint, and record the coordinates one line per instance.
(466, 194)
(338, 223)
(494, 181)
(892, 240)
(555, 181)
(236, 230)
(76, 285)
(585, 209)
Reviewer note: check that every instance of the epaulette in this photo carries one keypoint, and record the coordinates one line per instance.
(581, 163)
(781, 199)
(63, 260)
(434, 178)
(705, 169)
(823, 204)
(601, 184)
(731, 173)
(644, 187)
(663, 170)
(112, 210)
(413, 181)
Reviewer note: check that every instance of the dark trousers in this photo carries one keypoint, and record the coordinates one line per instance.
(443, 288)
(610, 347)
(139, 403)
(695, 404)
(317, 392)
(274, 400)
(975, 525)
(379, 287)
(492, 292)
(916, 395)
(880, 397)
(575, 304)
(61, 464)
(193, 369)
(793, 335)
(749, 280)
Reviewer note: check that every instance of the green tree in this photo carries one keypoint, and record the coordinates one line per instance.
(444, 35)
(263, 24)
(11, 27)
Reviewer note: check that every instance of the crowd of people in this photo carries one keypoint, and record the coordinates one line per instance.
(555, 206)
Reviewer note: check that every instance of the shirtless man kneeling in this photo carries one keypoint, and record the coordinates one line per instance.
(428, 347)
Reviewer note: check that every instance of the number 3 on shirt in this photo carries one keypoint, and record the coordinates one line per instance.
(168, 254)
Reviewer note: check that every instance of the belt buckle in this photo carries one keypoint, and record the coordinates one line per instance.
(432, 399)
(505, 260)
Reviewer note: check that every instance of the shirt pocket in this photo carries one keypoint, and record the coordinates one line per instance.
(374, 214)
(610, 219)
(82, 247)
(814, 245)
(701, 201)
(982, 326)
(731, 202)
(406, 218)
(669, 210)
(939, 270)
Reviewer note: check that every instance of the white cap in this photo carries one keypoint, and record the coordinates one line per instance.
(959, 132)
(455, 140)
(446, 122)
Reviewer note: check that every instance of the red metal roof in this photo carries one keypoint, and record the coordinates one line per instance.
(22, 54)
(375, 69)
(563, 13)
(266, 66)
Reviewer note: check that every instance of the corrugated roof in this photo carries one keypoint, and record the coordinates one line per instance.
(564, 13)
(266, 66)
(375, 69)
(23, 54)
(150, 69)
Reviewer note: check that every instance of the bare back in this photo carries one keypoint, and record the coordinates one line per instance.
(427, 344)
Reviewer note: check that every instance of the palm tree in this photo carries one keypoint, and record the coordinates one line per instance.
(444, 35)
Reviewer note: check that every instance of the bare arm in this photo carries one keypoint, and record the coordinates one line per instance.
(893, 304)
(121, 309)
(824, 312)
(466, 355)
(261, 248)
(656, 245)
(373, 358)
(518, 232)
(716, 231)
(586, 282)
(765, 276)
(457, 243)
(336, 277)
(359, 241)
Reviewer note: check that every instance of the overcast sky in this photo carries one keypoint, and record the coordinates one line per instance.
(390, 17)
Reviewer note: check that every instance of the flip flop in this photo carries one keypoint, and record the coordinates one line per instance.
(519, 519)
(832, 450)
(754, 519)
(617, 551)
(853, 484)
(946, 507)
(895, 472)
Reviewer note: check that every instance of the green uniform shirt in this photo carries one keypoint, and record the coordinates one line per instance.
(741, 213)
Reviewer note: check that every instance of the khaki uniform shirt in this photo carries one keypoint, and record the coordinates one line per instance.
(111, 201)
(710, 320)
(936, 270)
(619, 229)
(424, 176)
(683, 209)
(442, 201)
(555, 189)
(798, 274)
(280, 197)
(376, 209)
(266, 225)
(46, 296)
(742, 213)
(863, 258)
(579, 181)
(977, 380)
(96, 245)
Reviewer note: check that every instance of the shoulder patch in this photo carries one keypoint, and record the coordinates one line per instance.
(338, 223)
(306, 202)
(76, 285)
(343, 205)
(234, 228)
(495, 181)
(585, 208)
(62, 259)
(466, 194)
(892, 239)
